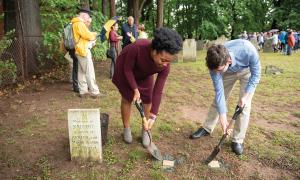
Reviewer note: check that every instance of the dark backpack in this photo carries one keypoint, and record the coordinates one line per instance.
(68, 36)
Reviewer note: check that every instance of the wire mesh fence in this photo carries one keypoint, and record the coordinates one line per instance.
(11, 60)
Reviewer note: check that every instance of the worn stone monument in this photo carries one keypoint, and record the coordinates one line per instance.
(268, 46)
(189, 50)
(255, 44)
(200, 45)
(221, 40)
(85, 134)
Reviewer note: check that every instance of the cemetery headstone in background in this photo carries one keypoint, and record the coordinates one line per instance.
(200, 45)
(85, 134)
(255, 44)
(189, 50)
(221, 40)
(268, 46)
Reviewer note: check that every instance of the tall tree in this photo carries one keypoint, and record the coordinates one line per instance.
(160, 13)
(286, 14)
(85, 4)
(130, 7)
(136, 11)
(104, 7)
(9, 14)
(29, 25)
(112, 8)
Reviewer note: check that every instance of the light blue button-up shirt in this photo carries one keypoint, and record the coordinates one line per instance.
(243, 55)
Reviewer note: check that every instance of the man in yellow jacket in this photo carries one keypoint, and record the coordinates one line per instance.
(86, 72)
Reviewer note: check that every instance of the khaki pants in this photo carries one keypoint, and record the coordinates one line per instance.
(86, 75)
(241, 124)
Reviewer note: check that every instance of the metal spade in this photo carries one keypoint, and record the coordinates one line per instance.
(151, 148)
(217, 149)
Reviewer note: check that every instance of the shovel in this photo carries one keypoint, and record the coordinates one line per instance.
(151, 148)
(217, 149)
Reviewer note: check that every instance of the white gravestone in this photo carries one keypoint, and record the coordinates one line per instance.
(189, 50)
(85, 134)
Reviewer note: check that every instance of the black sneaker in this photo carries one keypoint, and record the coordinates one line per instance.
(237, 148)
(199, 133)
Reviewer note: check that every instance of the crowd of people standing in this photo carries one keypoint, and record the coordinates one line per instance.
(283, 41)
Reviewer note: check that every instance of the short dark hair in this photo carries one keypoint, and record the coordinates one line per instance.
(166, 39)
(217, 55)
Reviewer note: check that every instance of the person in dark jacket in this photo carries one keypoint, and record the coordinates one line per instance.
(129, 32)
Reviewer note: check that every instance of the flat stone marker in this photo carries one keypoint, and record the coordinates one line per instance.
(214, 164)
(189, 50)
(85, 135)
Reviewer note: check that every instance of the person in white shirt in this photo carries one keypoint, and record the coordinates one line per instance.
(275, 41)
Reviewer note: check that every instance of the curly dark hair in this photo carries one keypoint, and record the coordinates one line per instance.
(166, 39)
(217, 55)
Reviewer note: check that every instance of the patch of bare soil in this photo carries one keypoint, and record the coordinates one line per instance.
(194, 114)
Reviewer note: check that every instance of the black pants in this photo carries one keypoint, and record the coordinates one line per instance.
(75, 70)
(113, 63)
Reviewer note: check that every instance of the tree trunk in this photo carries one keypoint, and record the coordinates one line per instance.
(141, 6)
(112, 8)
(85, 4)
(234, 19)
(29, 26)
(145, 14)
(136, 11)
(160, 13)
(104, 7)
(130, 7)
(9, 15)
(95, 5)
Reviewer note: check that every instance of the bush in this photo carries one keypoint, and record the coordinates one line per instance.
(8, 72)
(8, 68)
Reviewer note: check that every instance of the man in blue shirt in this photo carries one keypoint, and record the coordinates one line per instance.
(236, 60)
(129, 32)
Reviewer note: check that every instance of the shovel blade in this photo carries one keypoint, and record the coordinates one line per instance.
(213, 155)
(154, 151)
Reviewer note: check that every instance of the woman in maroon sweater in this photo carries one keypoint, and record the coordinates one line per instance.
(134, 75)
(114, 44)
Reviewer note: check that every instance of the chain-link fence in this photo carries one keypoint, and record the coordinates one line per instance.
(11, 60)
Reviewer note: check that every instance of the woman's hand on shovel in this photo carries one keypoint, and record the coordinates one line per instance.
(137, 95)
